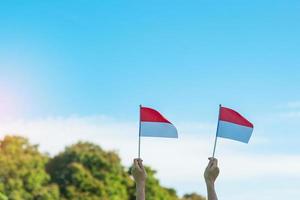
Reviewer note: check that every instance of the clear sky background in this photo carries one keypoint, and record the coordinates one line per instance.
(73, 70)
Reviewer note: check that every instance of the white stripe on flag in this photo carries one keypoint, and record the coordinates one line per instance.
(234, 131)
(158, 129)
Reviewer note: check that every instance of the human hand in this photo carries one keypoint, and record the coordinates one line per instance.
(212, 171)
(138, 171)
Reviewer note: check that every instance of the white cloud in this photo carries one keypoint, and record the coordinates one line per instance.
(180, 163)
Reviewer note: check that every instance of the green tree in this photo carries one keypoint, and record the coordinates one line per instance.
(193, 196)
(22, 171)
(3, 197)
(83, 171)
(154, 191)
(86, 172)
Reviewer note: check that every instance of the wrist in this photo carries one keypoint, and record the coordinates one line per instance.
(209, 183)
(140, 184)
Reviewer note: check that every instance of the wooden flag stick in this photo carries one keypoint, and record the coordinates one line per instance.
(139, 146)
(216, 139)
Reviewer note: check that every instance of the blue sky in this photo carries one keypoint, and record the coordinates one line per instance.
(187, 55)
(65, 58)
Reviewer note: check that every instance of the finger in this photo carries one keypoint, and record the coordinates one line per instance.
(136, 164)
(215, 163)
(212, 158)
(140, 162)
(210, 163)
(136, 161)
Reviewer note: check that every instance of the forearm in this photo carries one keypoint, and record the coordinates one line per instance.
(211, 192)
(140, 191)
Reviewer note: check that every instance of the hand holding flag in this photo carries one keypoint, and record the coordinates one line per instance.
(138, 171)
(140, 175)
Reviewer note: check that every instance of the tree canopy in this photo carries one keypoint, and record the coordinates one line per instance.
(83, 171)
(22, 171)
(193, 196)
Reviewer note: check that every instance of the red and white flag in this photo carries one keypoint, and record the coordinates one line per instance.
(233, 125)
(153, 124)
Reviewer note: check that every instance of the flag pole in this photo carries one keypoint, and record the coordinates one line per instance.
(139, 146)
(216, 139)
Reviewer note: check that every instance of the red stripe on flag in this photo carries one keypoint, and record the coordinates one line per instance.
(151, 115)
(229, 115)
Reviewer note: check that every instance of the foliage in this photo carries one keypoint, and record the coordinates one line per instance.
(83, 171)
(154, 191)
(3, 197)
(193, 196)
(22, 171)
